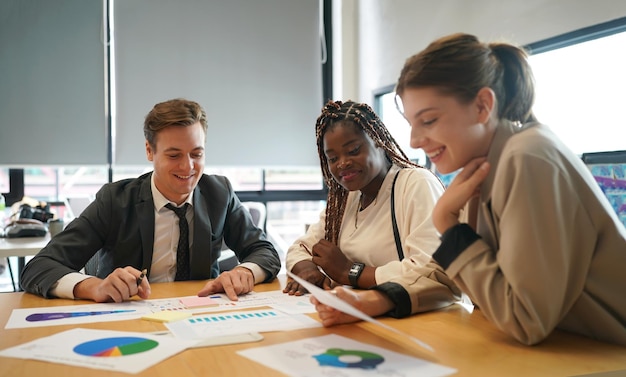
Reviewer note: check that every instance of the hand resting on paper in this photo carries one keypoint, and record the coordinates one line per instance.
(370, 302)
(235, 282)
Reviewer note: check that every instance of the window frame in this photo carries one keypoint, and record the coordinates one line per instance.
(586, 34)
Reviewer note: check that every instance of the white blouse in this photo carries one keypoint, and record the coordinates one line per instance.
(367, 236)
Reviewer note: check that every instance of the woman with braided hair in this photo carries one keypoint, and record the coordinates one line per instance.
(354, 242)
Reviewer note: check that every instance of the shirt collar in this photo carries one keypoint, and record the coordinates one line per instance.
(159, 200)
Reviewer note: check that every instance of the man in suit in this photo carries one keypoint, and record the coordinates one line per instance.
(134, 224)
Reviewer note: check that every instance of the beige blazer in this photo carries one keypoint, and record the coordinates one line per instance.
(553, 251)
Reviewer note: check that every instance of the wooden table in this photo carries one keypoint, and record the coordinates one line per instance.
(464, 341)
(21, 247)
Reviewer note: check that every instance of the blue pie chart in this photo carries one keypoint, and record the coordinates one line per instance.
(115, 347)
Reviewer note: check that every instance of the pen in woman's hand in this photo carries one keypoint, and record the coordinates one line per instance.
(306, 248)
(143, 274)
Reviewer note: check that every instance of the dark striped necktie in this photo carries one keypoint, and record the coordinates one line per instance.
(182, 252)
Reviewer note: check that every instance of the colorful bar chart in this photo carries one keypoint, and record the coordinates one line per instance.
(204, 326)
(232, 317)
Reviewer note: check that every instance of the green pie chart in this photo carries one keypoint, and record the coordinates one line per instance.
(114, 347)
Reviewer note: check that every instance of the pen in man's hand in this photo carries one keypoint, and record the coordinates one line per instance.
(143, 275)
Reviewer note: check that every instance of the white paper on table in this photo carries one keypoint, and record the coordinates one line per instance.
(335, 355)
(276, 299)
(120, 351)
(76, 314)
(204, 326)
(291, 304)
(328, 298)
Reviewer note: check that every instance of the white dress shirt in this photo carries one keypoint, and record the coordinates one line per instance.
(166, 235)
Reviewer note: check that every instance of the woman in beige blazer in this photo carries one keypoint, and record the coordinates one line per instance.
(541, 247)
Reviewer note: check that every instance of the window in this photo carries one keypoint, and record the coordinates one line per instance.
(398, 126)
(294, 196)
(288, 220)
(580, 81)
(579, 92)
(57, 183)
(401, 131)
(4, 180)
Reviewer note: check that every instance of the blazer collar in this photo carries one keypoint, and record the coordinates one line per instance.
(145, 211)
(160, 200)
(504, 131)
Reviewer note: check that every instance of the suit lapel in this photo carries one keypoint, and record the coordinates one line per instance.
(486, 224)
(145, 212)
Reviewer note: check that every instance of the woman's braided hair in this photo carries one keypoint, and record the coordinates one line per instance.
(365, 119)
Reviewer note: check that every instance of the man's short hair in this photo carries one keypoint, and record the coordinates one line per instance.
(177, 112)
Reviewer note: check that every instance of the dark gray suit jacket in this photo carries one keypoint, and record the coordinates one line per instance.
(119, 226)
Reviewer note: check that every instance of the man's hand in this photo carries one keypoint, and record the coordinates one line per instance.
(119, 286)
(464, 186)
(235, 282)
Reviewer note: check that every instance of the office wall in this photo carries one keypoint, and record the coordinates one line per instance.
(381, 34)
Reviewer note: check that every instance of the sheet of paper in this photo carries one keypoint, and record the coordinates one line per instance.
(119, 351)
(226, 323)
(326, 297)
(337, 356)
(275, 299)
(221, 340)
(290, 304)
(76, 314)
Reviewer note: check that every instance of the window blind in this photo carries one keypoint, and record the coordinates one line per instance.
(253, 65)
(52, 108)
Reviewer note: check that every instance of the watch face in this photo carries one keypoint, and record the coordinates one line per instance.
(355, 272)
(356, 267)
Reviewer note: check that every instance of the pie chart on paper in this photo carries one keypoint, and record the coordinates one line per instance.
(114, 347)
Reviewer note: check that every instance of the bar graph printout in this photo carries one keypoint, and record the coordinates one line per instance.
(237, 322)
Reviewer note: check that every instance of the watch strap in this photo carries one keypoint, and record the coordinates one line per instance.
(355, 271)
